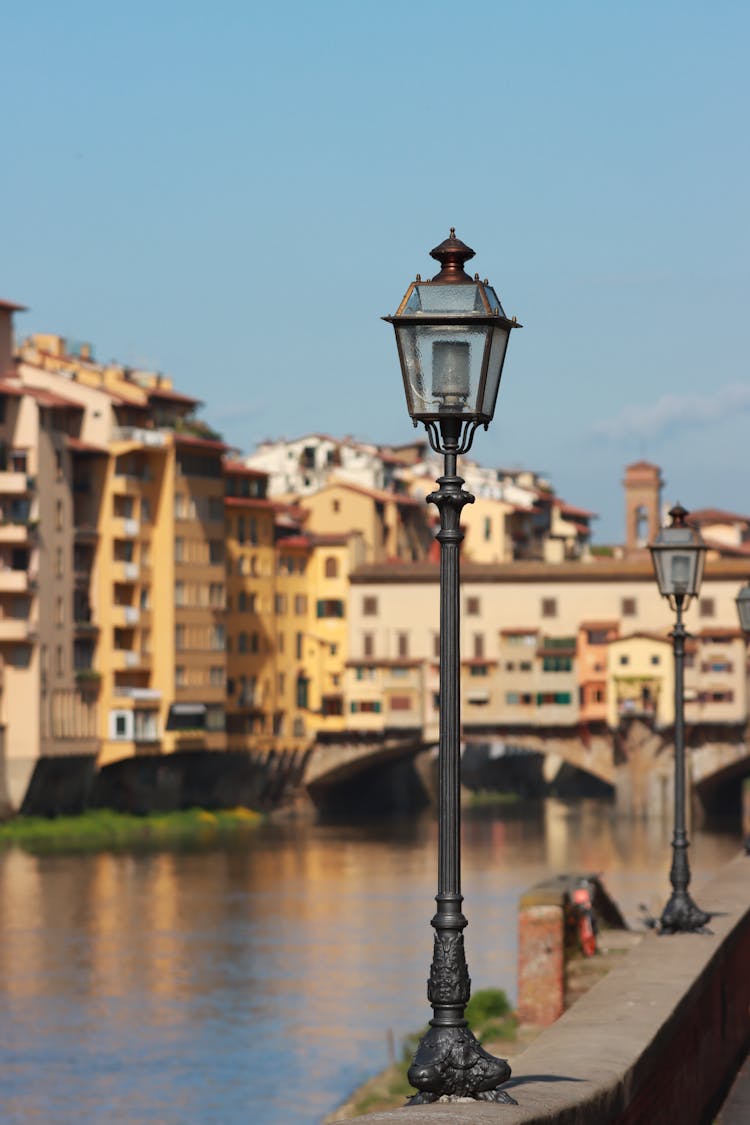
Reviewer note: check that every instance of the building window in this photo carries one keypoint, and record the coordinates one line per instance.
(330, 607)
(401, 703)
(487, 529)
(370, 606)
(300, 604)
(368, 644)
(550, 697)
(479, 645)
(706, 607)
(365, 706)
(557, 664)
(624, 660)
(331, 567)
(597, 636)
(217, 675)
(549, 607)
(479, 670)
(472, 607)
(436, 645)
(628, 607)
(298, 728)
(215, 551)
(332, 705)
(280, 603)
(179, 637)
(656, 660)
(180, 676)
(303, 685)
(242, 642)
(402, 645)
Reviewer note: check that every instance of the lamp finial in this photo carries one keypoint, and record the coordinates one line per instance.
(452, 253)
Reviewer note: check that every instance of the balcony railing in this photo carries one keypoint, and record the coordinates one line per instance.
(152, 438)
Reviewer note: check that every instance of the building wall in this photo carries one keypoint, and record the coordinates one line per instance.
(516, 617)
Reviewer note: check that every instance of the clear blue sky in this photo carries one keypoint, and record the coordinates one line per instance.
(234, 193)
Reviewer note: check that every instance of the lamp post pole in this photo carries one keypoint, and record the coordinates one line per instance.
(678, 554)
(680, 913)
(452, 334)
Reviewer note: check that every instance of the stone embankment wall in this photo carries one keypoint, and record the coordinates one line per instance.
(657, 1040)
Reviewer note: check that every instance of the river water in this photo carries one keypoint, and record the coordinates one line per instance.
(257, 982)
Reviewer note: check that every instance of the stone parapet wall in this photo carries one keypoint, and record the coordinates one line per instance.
(656, 1041)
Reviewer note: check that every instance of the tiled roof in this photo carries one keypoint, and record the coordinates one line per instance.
(240, 469)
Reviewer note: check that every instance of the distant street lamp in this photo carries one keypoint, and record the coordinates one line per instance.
(678, 555)
(452, 335)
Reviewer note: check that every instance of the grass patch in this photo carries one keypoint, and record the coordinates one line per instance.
(103, 829)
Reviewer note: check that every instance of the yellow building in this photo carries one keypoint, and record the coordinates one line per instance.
(250, 519)
(640, 679)
(392, 525)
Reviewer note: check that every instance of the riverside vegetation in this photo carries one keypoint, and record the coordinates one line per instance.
(490, 1017)
(104, 829)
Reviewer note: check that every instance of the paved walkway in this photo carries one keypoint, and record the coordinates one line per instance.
(736, 1109)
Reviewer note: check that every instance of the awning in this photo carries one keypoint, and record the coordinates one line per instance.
(188, 709)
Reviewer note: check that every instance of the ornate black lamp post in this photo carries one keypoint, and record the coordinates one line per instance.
(678, 554)
(452, 334)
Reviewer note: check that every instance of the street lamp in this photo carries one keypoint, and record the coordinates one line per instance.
(678, 555)
(452, 335)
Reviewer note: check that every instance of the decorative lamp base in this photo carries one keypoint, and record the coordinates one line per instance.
(681, 915)
(450, 1062)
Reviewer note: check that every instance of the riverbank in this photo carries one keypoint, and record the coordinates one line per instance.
(100, 829)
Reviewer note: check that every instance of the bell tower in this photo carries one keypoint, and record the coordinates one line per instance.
(643, 484)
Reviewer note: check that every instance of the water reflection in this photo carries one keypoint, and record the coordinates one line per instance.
(258, 981)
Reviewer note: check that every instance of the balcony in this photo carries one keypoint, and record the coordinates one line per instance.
(14, 581)
(15, 484)
(85, 533)
(17, 534)
(125, 528)
(153, 438)
(126, 615)
(125, 571)
(16, 629)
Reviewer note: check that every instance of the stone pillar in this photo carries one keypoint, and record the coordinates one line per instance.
(541, 956)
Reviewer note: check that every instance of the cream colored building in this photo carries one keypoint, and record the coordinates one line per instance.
(520, 625)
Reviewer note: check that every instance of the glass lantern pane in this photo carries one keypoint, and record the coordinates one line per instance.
(494, 300)
(442, 368)
(460, 299)
(662, 579)
(680, 573)
(494, 369)
(743, 608)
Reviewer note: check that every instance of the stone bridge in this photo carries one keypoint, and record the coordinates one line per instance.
(637, 759)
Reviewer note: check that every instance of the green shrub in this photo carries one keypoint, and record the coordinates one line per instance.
(487, 1004)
